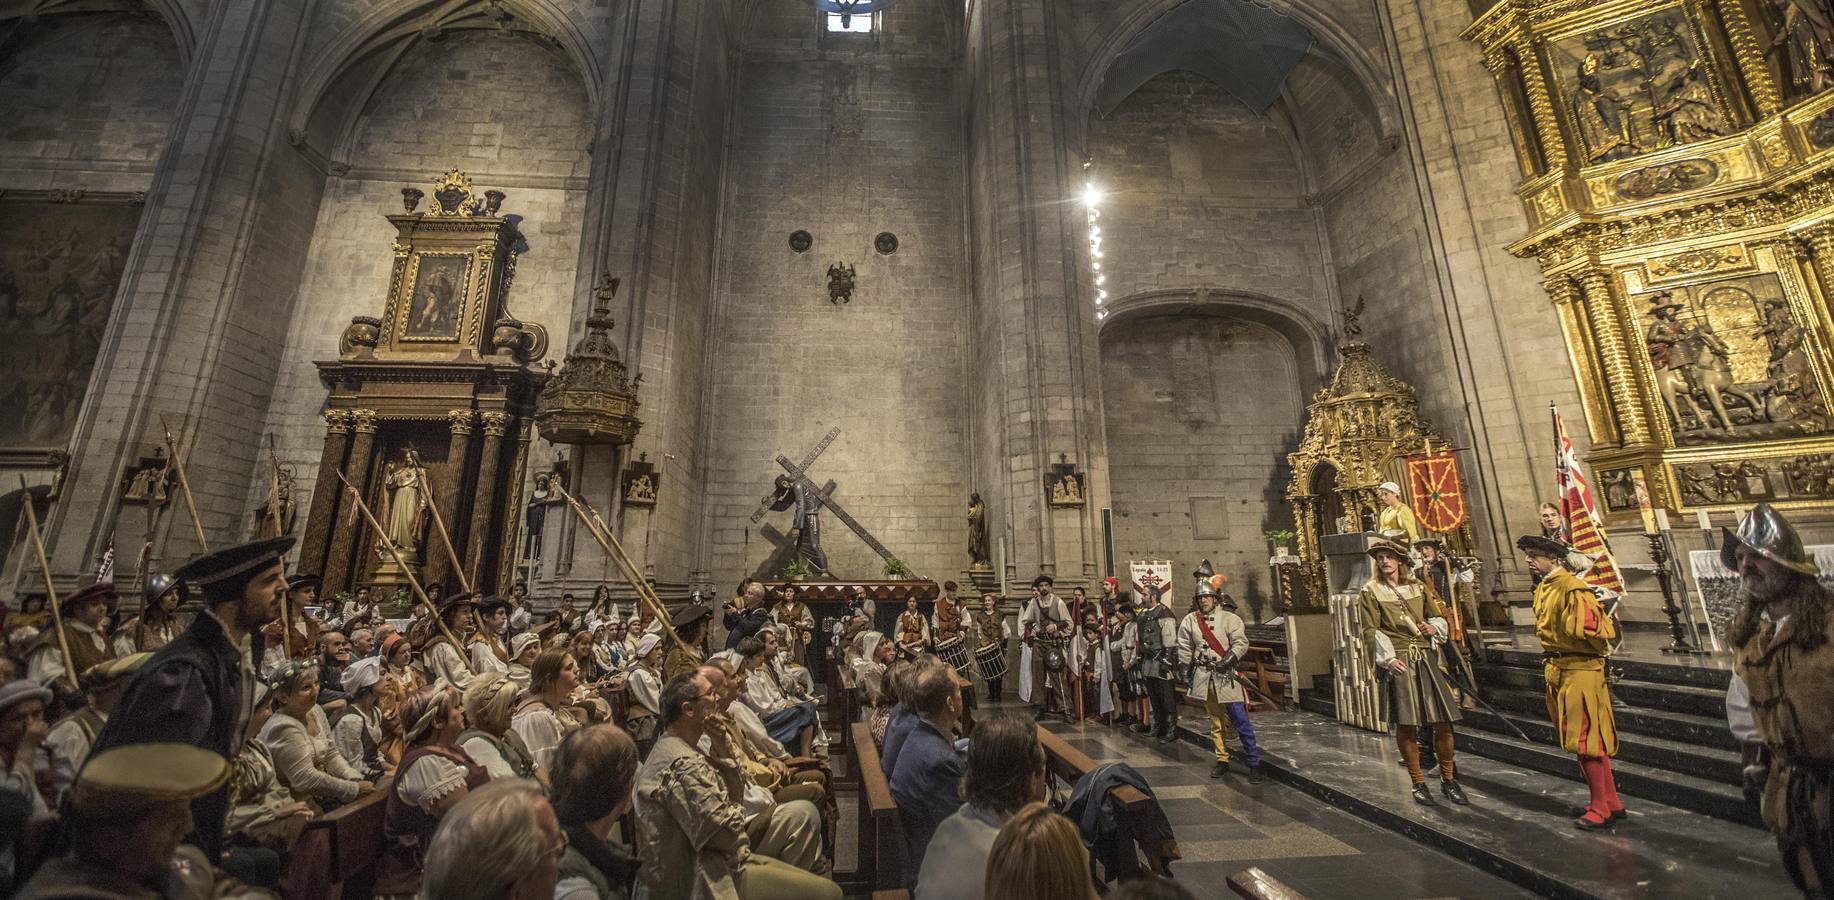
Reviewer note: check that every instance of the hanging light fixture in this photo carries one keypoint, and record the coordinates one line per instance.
(847, 9)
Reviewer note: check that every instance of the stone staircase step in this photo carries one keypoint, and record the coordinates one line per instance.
(1684, 671)
(1706, 731)
(1722, 766)
(1712, 798)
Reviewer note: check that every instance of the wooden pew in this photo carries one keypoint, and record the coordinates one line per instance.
(1068, 763)
(881, 859)
(336, 854)
(899, 894)
(1258, 885)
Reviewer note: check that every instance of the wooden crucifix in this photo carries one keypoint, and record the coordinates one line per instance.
(798, 490)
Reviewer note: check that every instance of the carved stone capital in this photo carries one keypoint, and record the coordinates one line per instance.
(1562, 289)
(337, 421)
(460, 420)
(364, 420)
(495, 423)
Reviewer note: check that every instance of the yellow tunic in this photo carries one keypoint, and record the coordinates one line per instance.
(1570, 620)
(1399, 517)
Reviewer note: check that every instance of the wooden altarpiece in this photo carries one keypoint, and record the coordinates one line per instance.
(444, 372)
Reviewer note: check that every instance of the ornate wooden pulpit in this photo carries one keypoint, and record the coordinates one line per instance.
(442, 378)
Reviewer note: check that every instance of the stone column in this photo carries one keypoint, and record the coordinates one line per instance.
(447, 496)
(483, 509)
(346, 541)
(1610, 323)
(1577, 326)
(325, 492)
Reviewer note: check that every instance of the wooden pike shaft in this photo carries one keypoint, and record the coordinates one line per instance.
(439, 525)
(613, 549)
(184, 484)
(438, 620)
(44, 566)
(273, 512)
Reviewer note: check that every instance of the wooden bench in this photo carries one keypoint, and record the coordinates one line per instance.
(1068, 763)
(336, 854)
(899, 894)
(881, 834)
(1258, 885)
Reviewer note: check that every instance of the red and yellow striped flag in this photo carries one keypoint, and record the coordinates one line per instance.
(1585, 530)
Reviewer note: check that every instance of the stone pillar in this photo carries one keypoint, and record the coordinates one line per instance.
(348, 541)
(1577, 326)
(1753, 66)
(325, 492)
(1610, 322)
(448, 497)
(496, 424)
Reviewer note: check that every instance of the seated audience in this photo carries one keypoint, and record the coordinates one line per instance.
(643, 683)
(879, 725)
(790, 722)
(523, 648)
(546, 715)
(869, 665)
(1038, 855)
(439, 658)
(500, 843)
(299, 739)
(398, 663)
(770, 783)
(433, 777)
(357, 732)
(1004, 772)
(128, 813)
(488, 652)
(904, 714)
(594, 770)
(362, 643)
(926, 780)
(262, 812)
(22, 734)
(692, 834)
(489, 703)
(73, 735)
(333, 656)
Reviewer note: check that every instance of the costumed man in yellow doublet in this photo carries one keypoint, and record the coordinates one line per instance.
(1780, 703)
(1575, 634)
(1396, 516)
(1405, 632)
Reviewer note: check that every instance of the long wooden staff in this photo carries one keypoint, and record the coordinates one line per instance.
(615, 551)
(184, 484)
(273, 512)
(439, 521)
(44, 565)
(438, 620)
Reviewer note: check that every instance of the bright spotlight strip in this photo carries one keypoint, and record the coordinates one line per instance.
(1092, 201)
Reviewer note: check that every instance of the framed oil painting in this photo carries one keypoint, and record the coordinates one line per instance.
(60, 264)
(436, 303)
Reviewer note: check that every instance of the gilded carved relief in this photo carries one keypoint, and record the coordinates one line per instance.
(1729, 361)
(1636, 86)
(1806, 477)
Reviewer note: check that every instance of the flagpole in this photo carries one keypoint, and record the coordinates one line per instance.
(184, 484)
(44, 565)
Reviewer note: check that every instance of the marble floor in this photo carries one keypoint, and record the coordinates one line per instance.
(1319, 851)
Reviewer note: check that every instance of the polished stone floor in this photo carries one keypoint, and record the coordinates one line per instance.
(1226, 826)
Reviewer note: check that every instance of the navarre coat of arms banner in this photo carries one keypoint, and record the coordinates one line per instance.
(1437, 490)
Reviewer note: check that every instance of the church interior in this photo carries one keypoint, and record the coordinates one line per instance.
(882, 302)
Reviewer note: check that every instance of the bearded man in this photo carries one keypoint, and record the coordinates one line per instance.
(1781, 700)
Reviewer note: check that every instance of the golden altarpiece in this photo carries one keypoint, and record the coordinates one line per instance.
(1677, 164)
(431, 402)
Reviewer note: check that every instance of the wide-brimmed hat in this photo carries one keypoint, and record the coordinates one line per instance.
(1382, 545)
(1545, 546)
(127, 777)
(14, 693)
(302, 580)
(1044, 579)
(1434, 543)
(101, 590)
(492, 603)
(229, 562)
(1768, 534)
(691, 616)
(1659, 301)
(456, 601)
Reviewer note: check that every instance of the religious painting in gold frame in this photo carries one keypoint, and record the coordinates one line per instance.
(437, 298)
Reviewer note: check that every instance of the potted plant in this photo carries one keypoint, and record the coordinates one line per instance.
(1281, 539)
(797, 570)
(896, 569)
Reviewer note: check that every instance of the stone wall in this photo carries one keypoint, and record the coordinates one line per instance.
(844, 136)
(89, 104)
(1197, 462)
(506, 109)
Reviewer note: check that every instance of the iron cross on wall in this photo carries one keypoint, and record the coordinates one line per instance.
(796, 491)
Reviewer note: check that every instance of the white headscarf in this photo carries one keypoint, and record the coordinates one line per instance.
(648, 643)
(363, 673)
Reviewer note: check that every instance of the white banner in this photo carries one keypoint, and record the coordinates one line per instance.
(1148, 574)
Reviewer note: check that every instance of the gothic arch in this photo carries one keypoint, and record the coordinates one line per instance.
(1309, 336)
(356, 63)
(1335, 46)
(171, 12)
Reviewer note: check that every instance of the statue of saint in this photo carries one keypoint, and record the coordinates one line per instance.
(402, 482)
(805, 526)
(978, 557)
(1808, 36)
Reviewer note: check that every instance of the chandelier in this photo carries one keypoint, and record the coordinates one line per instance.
(847, 9)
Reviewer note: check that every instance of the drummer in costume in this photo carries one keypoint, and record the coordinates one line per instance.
(949, 628)
(1781, 699)
(198, 689)
(1211, 642)
(991, 634)
(438, 657)
(1575, 636)
(1155, 662)
(1044, 625)
(488, 652)
(913, 630)
(1403, 631)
